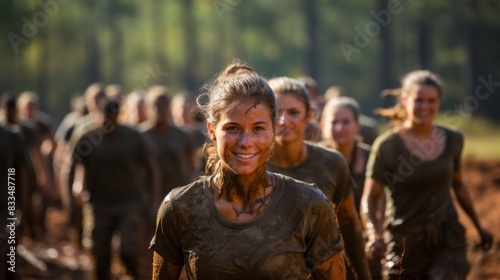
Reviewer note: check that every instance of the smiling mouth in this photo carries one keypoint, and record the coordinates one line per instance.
(245, 156)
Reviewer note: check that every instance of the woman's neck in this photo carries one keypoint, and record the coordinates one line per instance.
(161, 126)
(419, 130)
(289, 154)
(242, 197)
(346, 149)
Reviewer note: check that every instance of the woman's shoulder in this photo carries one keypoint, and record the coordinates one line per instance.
(451, 132)
(300, 189)
(317, 151)
(187, 193)
(364, 147)
(386, 139)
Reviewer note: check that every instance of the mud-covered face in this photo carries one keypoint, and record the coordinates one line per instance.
(421, 103)
(295, 118)
(244, 137)
(341, 126)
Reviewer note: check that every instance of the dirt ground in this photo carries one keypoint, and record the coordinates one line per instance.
(58, 258)
(483, 180)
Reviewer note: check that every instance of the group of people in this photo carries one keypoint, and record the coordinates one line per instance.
(285, 183)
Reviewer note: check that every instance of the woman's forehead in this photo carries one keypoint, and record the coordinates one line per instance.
(247, 110)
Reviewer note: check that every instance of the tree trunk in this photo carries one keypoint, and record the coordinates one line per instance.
(190, 46)
(311, 52)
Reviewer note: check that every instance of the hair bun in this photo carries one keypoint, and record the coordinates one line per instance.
(234, 69)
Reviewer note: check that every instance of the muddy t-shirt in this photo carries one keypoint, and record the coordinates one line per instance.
(114, 166)
(323, 167)
(296, 229)
(359, 178)
(420, 190)
(171, 149)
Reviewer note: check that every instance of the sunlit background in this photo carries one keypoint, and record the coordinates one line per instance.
(58, 47)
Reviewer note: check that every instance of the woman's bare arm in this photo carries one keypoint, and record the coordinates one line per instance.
(352, 233)
(373, 218)
(333, 268)
(164, 270)
(465, 201)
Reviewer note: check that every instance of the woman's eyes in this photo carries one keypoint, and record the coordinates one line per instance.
(232, 128)
(237, 129)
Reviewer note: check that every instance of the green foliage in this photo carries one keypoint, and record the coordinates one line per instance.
(191, 40)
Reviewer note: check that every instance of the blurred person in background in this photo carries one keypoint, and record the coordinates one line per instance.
(418, 163)
(115, 92)
(313, 130)
(35, 180)
(13, 163)
(311, 163)
(28, 107)
(134, 109)
(183, 107)
(340, 125)
(171, 146)
(113, 177)
(78, 109)
(184, 115)
(95, 99)
(368, 126)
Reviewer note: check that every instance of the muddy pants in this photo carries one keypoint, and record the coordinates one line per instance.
(426, 251)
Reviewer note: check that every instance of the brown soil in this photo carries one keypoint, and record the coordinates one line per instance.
(58, 253)
(483, 179)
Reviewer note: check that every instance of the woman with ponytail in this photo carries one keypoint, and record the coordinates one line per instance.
(417, 163)
(241, 221)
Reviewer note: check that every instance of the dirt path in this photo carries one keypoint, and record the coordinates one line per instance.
(483, 180)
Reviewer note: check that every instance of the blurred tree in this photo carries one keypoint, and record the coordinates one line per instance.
(123, 40)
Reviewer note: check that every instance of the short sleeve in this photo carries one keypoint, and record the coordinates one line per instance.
(323, 238)
(69, 133)
(377, 163)
(457, 153)
(344, 181)
(166, 241)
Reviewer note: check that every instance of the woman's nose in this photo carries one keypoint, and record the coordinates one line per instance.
(337, 127)
(245, 139)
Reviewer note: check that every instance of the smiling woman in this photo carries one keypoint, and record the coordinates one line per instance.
(325, 168)
(417, 163)
(241, 221)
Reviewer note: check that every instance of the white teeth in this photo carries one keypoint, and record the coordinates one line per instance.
(245, 155)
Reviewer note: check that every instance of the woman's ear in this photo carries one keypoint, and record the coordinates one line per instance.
(311, 114)
(403, 98)
(211, 131)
